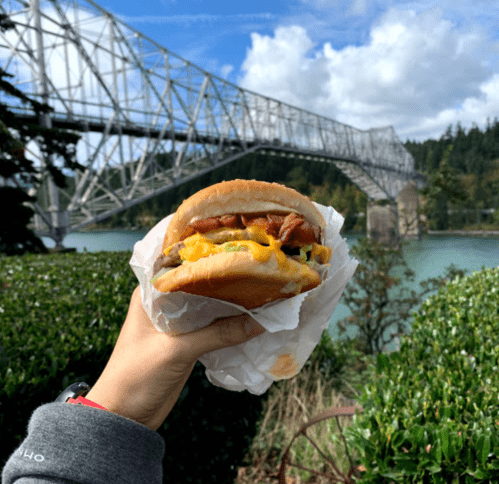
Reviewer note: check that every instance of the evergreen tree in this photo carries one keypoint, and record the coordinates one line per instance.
(18, 173)
(444, 188)
(380, 302)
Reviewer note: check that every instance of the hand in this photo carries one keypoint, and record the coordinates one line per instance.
(148, 369)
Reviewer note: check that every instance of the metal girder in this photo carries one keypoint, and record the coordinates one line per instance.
(151, 120)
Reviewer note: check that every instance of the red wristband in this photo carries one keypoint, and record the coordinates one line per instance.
(84, 401)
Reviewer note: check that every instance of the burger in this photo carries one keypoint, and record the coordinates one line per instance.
(243, 241)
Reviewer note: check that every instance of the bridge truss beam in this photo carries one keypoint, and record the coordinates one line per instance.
(151, 120)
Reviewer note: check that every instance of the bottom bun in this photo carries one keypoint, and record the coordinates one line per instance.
(238, 278)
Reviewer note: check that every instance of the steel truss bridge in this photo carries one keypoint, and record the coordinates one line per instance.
(151, 120)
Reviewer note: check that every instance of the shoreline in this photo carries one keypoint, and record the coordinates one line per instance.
(115, 229)
(483, 233)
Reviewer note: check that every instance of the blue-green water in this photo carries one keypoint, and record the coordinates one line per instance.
(427, 257)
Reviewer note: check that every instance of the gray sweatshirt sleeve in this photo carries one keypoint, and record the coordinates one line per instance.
(78, 444)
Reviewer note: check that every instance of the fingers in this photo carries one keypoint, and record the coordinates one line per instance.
(224, 332)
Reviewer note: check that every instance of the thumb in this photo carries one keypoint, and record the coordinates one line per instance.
(225, 332)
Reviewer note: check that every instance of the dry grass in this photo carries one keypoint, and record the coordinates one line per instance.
(292, 403)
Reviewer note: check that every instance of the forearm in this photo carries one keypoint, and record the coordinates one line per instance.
(82, 444)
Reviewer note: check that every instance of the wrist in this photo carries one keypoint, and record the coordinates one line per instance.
(94, 396)
(113, 402)
(75, 394)
(85, 401)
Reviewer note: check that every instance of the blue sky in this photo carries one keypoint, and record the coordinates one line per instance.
(416, 65)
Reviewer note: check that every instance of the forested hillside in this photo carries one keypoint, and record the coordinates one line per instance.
(322, 182)
(473, 151)
(462, 168)
(467, 161)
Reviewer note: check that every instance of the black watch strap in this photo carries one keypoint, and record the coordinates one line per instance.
(75, 390)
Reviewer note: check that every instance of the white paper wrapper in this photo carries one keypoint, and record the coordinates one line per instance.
(294, 326)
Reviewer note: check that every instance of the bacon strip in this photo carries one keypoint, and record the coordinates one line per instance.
(206, 225)
(232, 221)
(289, 228)
(292, 230)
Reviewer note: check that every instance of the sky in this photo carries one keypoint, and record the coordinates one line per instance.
(418, 66)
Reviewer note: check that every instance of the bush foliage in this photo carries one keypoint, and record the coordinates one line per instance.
(431, 410)
(60, 316)
(379, 297)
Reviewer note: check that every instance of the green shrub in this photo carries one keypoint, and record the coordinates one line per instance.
(431, 410)
(341, 363)
(60, 316)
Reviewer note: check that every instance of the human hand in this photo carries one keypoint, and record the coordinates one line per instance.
(148, 369)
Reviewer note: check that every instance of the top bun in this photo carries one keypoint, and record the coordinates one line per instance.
(240, 196)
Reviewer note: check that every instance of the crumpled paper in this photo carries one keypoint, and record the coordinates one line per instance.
(294, 326)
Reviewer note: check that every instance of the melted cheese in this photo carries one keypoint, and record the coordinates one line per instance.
(324, 253)
(198, 246)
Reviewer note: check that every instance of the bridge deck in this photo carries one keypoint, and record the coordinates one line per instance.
(132, 99)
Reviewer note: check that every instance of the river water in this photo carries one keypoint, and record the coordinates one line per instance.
(427, 257)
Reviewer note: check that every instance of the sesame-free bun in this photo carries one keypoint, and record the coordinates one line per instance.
(238, 278)
(240, 196)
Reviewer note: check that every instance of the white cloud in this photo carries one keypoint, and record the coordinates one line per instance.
(226, 70)
(418, 72)
(472, 110)
(279, 67)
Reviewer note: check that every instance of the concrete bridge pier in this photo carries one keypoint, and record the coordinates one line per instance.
(382, 223)
(391, 222)
(54, 224)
